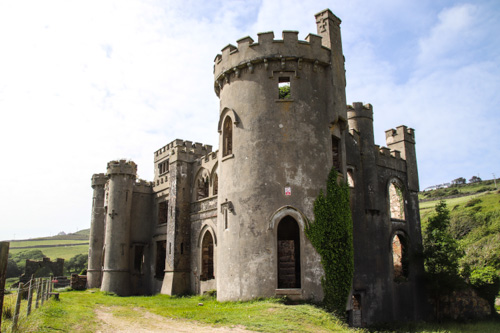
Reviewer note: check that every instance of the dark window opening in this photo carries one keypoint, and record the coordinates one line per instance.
(227, 137)
(161, 256)
(336, 154)
(163, 212)
(182, 248)
(400, 258)
(203, 186)
(216, 184)
(207, 257)
(138, 258)
(163, 167)
(284, 88)
(288, 253)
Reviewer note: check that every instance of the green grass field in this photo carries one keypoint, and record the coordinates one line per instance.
(64, 252)
(76, 312)
(46, 242)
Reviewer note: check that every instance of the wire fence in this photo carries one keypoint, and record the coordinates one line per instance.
(21, 302)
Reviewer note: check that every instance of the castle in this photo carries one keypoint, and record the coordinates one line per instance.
(234, 219)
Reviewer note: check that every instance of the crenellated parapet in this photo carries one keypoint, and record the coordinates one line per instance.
(181, 146)
(122, 167)
(269, 54)
(358, 110)
(207, 159)
(99, 179)
(143, 186)
(401, 133)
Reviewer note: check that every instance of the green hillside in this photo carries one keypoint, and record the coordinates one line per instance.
(475, 221)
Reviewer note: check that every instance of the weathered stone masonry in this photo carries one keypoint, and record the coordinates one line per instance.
(234, 219)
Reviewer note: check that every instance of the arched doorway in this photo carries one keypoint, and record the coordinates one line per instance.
(288, 253)
(207, 257)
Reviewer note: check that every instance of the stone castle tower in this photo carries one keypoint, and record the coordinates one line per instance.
(234, 219)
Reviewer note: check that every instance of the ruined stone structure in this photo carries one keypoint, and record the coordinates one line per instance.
(234, 219)
(44, 267)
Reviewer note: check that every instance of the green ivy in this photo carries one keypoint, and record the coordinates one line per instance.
(331, 236)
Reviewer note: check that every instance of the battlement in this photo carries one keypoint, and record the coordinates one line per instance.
(290, 53)
(207, 158)
(99, 179)
(184, 146)
(358, 110)
(122, 167)
(389, 153)
(143, 186)
(401, 133)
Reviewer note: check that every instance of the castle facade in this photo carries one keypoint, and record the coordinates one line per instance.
(234, 219)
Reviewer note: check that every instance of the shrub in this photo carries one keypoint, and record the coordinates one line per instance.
(472, 202)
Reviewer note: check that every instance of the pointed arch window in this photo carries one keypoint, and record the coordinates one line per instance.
(400, 258)
(396, 201)
(207, 257)
(227, 137)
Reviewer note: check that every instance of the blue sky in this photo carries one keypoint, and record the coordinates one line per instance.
(85, 82)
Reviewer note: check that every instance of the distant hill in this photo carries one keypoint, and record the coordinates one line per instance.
(59, 246)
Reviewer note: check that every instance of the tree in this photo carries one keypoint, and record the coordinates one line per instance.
(441, 255)
(475, 179)
(331, 236)
(487, 283)
(458, 181)
(284, 92)
(77, 263)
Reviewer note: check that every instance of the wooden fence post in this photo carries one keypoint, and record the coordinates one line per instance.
(4, 258)
(18, 307)
(38, 292)
(43, 290)
(30, 297)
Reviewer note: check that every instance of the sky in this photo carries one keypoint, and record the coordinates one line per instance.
(86, 82)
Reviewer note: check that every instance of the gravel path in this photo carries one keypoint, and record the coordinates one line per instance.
(145, 321)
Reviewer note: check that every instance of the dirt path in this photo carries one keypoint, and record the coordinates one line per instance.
(144, 321)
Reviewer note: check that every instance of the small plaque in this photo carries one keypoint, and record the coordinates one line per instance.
(288, 191)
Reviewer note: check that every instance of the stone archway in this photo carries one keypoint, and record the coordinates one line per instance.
(288, 253)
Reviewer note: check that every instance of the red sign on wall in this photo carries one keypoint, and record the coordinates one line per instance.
(288, 191)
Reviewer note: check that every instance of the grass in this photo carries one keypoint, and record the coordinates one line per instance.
(46, 242)
(75, 313)
(65, 252)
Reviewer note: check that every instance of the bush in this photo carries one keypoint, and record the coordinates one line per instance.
(473, 202)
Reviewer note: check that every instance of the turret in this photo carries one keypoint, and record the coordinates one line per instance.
(116, 275)
(94, 271)
(360, 118)
(403, 139)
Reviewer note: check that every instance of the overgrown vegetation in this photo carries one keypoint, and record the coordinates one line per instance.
(474, 226)
(441, 255)
(331, 236)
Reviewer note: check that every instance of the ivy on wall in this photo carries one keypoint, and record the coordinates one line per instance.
(331, 236)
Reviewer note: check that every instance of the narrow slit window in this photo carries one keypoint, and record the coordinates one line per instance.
(284, 88)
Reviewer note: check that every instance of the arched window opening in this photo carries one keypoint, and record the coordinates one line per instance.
(216, 184)
(397, 202)
(336, 154)
(207, 257)
(203, 185)
(399, 258)
(288, 253)
(227, 137)
(350, 178)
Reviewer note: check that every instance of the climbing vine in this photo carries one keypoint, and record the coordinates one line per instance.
(331, 236)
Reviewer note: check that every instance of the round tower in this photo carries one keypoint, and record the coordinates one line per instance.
(115, 276)
(277, 108)
(360, 118)
(94, 271)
